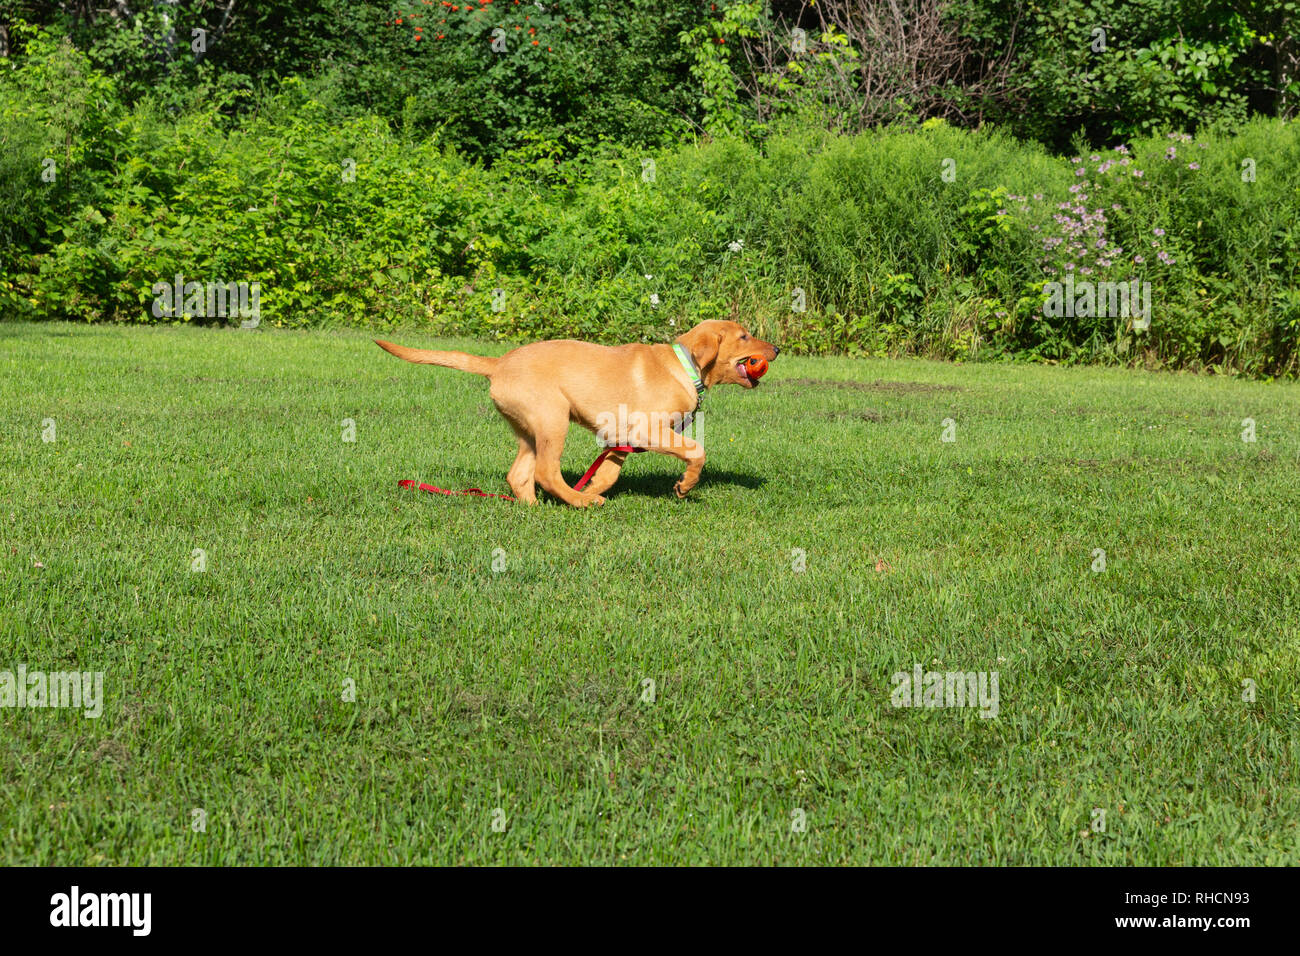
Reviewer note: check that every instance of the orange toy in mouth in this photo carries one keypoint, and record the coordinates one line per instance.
(756, 367)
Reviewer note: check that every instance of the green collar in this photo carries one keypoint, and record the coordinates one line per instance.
(692, 371)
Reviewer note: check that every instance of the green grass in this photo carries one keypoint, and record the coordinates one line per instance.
(521, 689)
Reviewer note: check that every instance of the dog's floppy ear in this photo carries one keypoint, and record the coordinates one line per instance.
(703, 344)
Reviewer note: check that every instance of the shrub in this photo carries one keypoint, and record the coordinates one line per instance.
(919, 238)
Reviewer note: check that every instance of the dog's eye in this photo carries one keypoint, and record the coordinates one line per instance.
(744, 338)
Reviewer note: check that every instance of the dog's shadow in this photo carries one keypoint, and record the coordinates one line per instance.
(660, 485)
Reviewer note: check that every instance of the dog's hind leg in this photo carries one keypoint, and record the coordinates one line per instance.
(550, 427)
(607, 473)
(549, 477)
(543, 421)
(522, 472)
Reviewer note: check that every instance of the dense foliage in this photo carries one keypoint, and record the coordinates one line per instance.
(612, 172)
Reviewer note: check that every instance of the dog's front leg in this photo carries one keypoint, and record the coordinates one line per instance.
(688, 450)
(694, 457)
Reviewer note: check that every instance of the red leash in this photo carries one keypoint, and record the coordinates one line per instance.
(410, 482)
(600, 460)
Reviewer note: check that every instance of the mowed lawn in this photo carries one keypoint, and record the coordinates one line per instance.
(504, 715)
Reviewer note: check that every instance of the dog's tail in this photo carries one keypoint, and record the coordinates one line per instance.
(478, 364)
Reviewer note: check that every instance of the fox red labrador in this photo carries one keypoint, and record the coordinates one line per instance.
(637, 395)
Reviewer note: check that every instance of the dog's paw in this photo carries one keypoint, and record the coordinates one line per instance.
(679, 491)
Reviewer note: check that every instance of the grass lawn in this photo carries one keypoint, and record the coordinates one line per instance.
(516, 695)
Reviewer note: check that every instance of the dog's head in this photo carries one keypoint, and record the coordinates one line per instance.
(720, 349)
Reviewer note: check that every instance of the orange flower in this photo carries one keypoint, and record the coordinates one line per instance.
(534, 43)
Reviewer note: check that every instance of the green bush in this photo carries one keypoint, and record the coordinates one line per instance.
(1120, 69)
(57, 116)
(925, 239)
